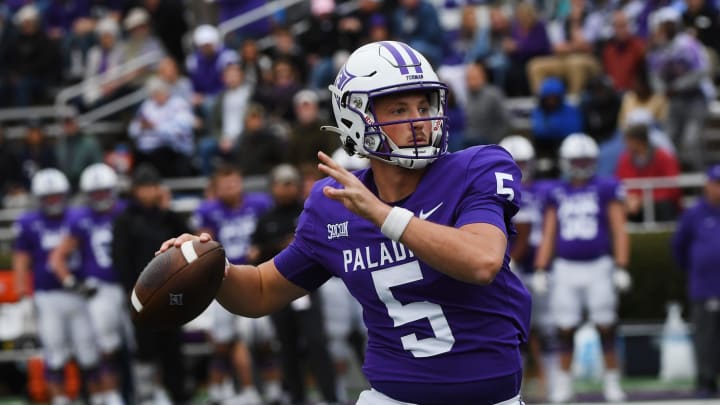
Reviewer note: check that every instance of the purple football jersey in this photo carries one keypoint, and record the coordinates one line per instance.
(233, 227)
(37, 235)
(532, 205)
(423, 326)
(583, 225)
(93, 232)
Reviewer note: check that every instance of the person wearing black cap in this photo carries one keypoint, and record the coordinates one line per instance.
(136, 232)
(695, 247)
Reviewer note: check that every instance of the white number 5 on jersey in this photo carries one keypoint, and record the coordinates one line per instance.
(403, 314)
(506, 192)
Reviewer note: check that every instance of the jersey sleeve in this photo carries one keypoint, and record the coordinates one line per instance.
(612, 190)
(200, 219)
(298, 262)
(23, 237)
(492, 194)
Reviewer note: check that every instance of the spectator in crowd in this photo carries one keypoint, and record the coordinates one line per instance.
(487, 117)
(354, 28)
(205, 66)
(12, 182)
(169, 25)
(553, 118)
(642, 96)
(64, 326)
(320, 42)
(306, 137)
(679, 68)
(75, 150)
(140, 42)
(284, 46)
(528, 39)
(162, 131)
(32, 59)
(695, 248)
(300, 326)
(642, 159)
(255, 65)
(277, 96)
(36, 151)
(228, 118)
(611, 149)
(702, 20)
(488, 45)
(231, 218)
(378, 29)
(70, 24)
(599, 104)
(416, 23)
(180, 85)
(623, 56)
(259, 149)
(572, 60)
(159, 369)
(103, 57)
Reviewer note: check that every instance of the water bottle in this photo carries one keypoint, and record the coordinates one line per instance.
(677, 361)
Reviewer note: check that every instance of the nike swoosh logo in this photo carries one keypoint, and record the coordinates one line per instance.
(425, 215)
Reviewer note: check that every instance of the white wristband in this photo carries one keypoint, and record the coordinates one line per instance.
(396, 222)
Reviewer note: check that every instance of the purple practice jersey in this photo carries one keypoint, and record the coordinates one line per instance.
(531, 212)
(37, 235)
(583, 225)
(233, 227)
(93, 232)
(423, 326)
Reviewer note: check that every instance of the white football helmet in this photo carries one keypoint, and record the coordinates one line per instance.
(99, 181)
(578, 156)
(523, 154)
(51, 188)
(379, 69)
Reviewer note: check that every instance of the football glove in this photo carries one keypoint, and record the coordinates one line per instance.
(539, 282)
(84, 288)
(621, 279)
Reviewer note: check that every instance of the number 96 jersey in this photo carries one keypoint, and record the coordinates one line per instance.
(582, 220)
(423, 326)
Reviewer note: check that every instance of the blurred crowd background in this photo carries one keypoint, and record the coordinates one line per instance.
(189, 87)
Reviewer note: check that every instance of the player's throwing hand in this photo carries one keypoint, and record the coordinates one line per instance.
(354, 196)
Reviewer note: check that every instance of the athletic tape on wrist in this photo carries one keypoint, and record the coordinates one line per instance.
(396, 222)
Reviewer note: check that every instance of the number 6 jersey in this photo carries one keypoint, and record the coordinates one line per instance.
(423, 326)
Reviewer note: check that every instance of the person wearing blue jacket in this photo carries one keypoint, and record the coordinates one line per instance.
(695, 245)
(554, 117)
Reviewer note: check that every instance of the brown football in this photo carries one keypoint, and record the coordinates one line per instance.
(177, 285)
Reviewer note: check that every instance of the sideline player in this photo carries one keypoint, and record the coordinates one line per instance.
(584, 229)
(231, 217)
(64, 326)
(523, 247)
(90, 233)
(420, 239)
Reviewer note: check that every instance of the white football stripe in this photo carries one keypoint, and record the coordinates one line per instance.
(188, 251)
(136, 301)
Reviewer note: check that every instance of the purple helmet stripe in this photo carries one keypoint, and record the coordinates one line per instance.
(398, 58)
(413, 57)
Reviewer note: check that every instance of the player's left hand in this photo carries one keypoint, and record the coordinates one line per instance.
(354, 196)
(622, 279)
